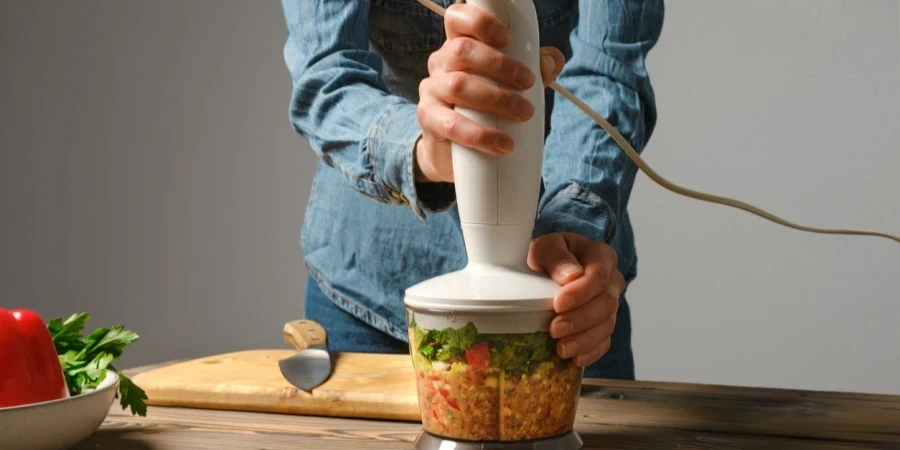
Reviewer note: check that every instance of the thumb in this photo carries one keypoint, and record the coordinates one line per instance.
(552, 61)
(551, 254)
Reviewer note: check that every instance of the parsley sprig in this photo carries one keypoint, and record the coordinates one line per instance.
(447, 343)
(86, 360)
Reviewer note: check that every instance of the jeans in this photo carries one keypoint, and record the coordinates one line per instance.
(346, 333)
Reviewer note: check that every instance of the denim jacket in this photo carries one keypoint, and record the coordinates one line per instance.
(370, 230)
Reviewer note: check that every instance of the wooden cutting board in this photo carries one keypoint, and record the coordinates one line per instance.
(372, 386)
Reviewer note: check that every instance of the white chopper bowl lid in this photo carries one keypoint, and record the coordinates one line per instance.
(484, 289)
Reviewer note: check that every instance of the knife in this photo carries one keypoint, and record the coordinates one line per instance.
(311, 365)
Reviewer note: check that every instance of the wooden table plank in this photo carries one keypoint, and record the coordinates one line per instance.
(612, 415)
(183, 428)
(726, 409)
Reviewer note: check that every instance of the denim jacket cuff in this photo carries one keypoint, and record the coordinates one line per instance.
(576, 210)
(392, 146)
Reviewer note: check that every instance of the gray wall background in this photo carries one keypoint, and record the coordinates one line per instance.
(148, 174)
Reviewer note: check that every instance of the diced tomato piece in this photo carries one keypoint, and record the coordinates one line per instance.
(444, 392)
(479, 356)
(452, 402)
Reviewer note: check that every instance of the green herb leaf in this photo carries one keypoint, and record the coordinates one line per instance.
(515, 353)
(110, 340)
(131, 396)
(419, 338)
(79, 380)
(67, 335)
(96, 369)
(69, 359)
(520, 352)
(466, 336)
(445, 344)
(86, 360)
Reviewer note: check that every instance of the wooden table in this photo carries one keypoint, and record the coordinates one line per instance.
(612, 415)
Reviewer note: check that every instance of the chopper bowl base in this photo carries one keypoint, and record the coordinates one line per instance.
(568, 441)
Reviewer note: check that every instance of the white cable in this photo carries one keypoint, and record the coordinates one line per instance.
(626, 147)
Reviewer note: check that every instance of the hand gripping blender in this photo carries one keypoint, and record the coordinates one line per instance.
(487, 372)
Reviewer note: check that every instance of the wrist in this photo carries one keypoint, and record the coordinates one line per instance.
(433, 196)
(418, 176)
(421, 163)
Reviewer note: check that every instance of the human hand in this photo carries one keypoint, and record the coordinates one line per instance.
(473, 39)
(587, 303)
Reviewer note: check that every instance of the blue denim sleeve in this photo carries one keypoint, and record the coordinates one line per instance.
(587, 177)
(340, 103)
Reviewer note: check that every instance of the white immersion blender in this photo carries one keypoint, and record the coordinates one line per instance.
(521, 398)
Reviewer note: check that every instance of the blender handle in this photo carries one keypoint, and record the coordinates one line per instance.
(497, 196)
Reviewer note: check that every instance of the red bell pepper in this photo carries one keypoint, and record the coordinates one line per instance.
(30, 371)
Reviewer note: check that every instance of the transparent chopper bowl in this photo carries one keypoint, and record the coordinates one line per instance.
(477, 381)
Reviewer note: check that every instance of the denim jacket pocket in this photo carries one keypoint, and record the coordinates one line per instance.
(554, 12)
(556, 19)
(404, 26)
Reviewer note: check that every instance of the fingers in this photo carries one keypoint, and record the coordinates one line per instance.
(439, 119)
(465, 72)
(585, 334)
(473, 21)
(594, 354)
(473, 38)
(587, 341)
(463, 89)
(594, 253)
(469, 55)
(551, 254)
(552, 61)
(599, 261)
(587, 303)
(598, 310)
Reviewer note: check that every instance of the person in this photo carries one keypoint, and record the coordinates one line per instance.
(374, 85)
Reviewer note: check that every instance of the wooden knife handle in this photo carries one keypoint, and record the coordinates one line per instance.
(303, 333)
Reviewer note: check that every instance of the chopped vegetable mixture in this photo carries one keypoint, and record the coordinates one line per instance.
(493, 387)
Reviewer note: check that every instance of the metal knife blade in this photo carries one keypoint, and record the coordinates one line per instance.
(311, 365)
